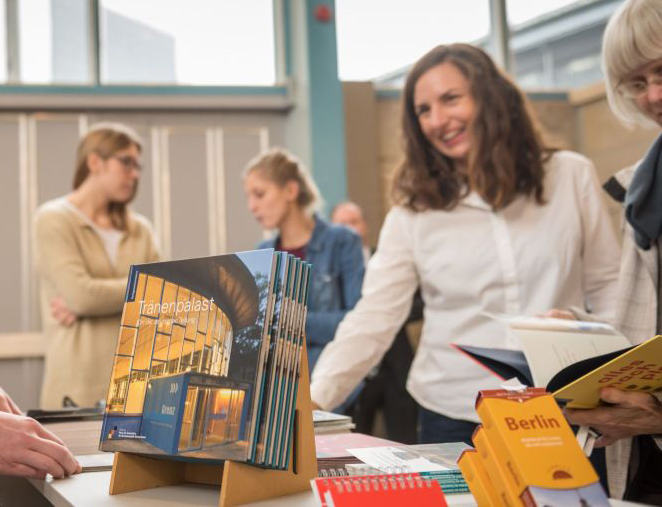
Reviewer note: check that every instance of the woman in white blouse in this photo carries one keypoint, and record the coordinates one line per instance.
(488, 222)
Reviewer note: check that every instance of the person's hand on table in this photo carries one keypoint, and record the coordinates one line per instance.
(556, 313)
(631, 413)
(7, 404)
(30, 450)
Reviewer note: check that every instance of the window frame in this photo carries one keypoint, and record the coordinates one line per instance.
(15, 95)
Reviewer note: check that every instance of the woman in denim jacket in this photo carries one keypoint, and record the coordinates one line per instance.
(283, 197)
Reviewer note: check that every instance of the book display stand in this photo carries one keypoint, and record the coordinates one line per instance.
(240, 483)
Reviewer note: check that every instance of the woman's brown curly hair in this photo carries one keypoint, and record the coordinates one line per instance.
(507, 155)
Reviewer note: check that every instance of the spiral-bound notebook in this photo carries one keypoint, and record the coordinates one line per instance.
(383, 490)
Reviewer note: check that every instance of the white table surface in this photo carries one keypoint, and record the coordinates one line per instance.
(91, 489)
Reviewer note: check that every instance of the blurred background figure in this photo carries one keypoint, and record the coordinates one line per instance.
(283, 198)
(350, 214)
(85, 243)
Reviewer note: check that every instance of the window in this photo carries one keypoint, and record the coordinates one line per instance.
(146, 42)
(557, 44)
(3, 41)
(522, 11)
(54, 42)
(197, 42)
(376, 38)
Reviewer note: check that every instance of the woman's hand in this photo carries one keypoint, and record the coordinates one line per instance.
(30, 450)
(7, 404)
(60, 312)
(555, 313)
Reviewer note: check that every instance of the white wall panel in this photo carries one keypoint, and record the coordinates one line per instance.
(54, 144)
(239, 147)
(186, 163)
(11, 256)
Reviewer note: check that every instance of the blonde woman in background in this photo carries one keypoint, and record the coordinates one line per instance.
(283, 197)
(85, 243)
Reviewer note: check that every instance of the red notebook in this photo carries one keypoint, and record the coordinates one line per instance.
(393, 490)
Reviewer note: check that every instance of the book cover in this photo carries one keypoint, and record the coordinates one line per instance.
(552, 344)
(337, 445)
(636, 369)
(190, 358)
(289, 343)
(538, 454)
(476, 477)
(330, 422)
(281, 310)
(432, 461)
(295, 366)
(578, 361)
(413, 458)
(497, 475)
(383, 490)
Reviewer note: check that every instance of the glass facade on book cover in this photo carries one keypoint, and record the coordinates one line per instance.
(189, 357)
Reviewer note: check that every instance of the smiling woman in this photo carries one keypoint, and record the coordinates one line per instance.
(445, 109)
(487, 221)
(86, 242)
(466, 128)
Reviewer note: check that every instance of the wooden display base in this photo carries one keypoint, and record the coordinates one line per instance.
(240, 483)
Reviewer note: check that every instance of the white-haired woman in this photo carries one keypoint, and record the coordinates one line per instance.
(86, 242)
(632, 59)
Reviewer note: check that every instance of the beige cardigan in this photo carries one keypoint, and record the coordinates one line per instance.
(73, 263)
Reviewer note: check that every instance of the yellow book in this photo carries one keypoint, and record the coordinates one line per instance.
(638, 369)
(503, 483)
(479, 483)
(565, 362)
(534, 444)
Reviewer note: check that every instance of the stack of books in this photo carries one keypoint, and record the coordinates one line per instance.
(435, 462)
(391, 474)
(574, 360)
(527, 455)
(333, 450)
(329, 422)
(208, 359)
(357, 454)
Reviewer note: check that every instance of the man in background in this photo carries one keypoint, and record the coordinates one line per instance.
(350, 214)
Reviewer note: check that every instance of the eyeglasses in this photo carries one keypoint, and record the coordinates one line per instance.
(637, 87)
(129, 163)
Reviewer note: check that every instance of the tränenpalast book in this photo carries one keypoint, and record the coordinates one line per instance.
(574, 360)
(208, 359)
